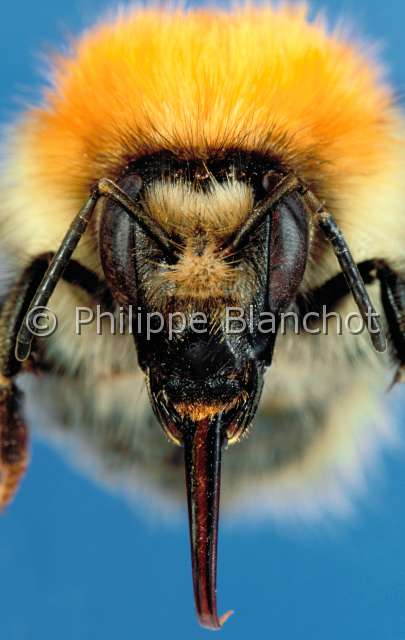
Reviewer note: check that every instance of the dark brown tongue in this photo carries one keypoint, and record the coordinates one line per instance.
(202, 449)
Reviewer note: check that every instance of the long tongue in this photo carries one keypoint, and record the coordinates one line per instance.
(202, 450)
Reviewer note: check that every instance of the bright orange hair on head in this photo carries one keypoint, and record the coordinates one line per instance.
(202, 80)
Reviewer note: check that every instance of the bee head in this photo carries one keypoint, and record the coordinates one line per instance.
(206, 306)
(206, 286)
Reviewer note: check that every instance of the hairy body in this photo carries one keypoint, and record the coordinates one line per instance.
(208, 89)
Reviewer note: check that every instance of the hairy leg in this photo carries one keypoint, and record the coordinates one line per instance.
(13, 431)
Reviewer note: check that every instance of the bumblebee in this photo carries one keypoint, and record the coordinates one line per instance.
(184, 163)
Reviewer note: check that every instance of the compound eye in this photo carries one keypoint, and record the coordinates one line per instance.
(118, 232)
(288, 251)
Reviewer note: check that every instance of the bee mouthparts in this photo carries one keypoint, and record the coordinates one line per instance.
(202, 450)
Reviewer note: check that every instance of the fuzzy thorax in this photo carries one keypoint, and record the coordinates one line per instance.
(195, 82)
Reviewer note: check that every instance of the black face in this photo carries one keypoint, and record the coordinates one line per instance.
(205, 386)
(215, 366)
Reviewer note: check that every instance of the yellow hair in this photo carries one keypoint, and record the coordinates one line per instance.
(193, 81)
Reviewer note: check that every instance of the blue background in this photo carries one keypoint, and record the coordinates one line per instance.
(76, 562)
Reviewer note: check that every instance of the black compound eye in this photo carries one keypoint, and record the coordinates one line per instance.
(288, 251)
(117, 244)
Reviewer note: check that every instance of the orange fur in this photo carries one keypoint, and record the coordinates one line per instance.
(198, 411)
(191, 81)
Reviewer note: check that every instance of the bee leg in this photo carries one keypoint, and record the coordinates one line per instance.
(393, 300)
(13, 431)
(13, 442)
(332, 292)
